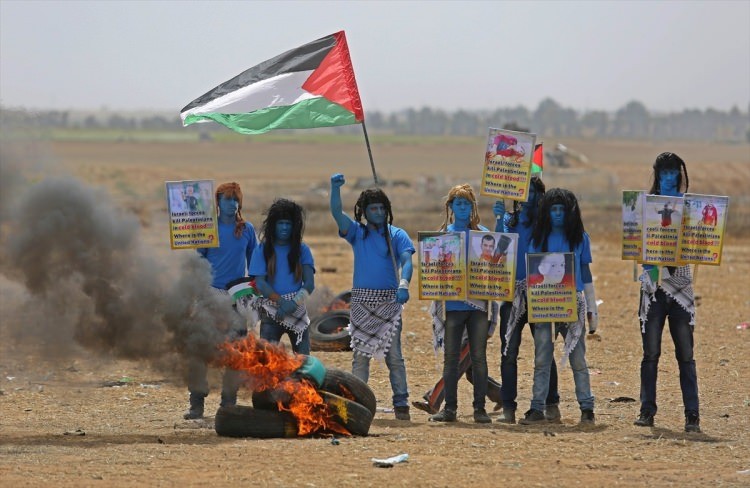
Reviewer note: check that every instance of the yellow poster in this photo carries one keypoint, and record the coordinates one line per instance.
(703, 225)
(662, 221)
(442, 265)
(507, 164)
(632, 224)
(192, 214)
(551, 287)
(492, 265)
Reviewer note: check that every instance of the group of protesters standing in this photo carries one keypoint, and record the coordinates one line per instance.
(549, 221)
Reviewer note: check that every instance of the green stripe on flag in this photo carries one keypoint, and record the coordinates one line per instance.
(315, 112)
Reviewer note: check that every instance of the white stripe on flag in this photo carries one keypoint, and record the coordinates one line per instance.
(281, 90)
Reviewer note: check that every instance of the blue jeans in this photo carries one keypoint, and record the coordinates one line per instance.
(394, 360)
(476, 324)
(682, 336)
(272, 331)
(509, 362)
(543, 350)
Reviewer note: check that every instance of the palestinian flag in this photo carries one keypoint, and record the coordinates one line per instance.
(537, 160)
(310, 86)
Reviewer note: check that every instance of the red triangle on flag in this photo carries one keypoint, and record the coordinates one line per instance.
(334, 78)
(538, 158)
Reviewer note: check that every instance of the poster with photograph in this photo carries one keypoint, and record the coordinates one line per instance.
(507, 164)
(632, 224)
(662, 221)
(442, 265)
(703, 225)
(551, 287)
(492, 265)
(192, 214)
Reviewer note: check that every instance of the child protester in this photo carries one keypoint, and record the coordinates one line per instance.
(559, 228)
(285, 275)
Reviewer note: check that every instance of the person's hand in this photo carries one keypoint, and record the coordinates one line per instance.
(402, 295)
(593, 321)
(498, 208)
(337, 180)
(286, 307)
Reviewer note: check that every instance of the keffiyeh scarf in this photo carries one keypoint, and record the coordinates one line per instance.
(374, 317)
(296, 322)
(679, 286)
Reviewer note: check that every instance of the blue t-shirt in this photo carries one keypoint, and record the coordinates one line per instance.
(524, 238)
(459, 305)
(283, 279)
(558, 243)
(230, 260)
(373, 267)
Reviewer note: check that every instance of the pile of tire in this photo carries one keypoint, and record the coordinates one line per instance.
(329, 331)
(350, 400)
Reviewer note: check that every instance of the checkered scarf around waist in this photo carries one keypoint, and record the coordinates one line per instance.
(374, 318)
(437, 312)
(679, 286)
(517, 311)
(296, 322)
(575, 329)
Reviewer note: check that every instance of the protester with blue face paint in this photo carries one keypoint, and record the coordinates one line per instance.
(672, 298)
(513, 315)
(229, 262)
(285, 275)
(559, 229)
(456, 318)
(378, 293)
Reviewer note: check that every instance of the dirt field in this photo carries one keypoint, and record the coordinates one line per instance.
(131, 413)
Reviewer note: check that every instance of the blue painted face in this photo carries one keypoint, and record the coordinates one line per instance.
(283, 231)
(557, 215)
(228, 206)
(668, 179)
(462, 209)
(375, 214)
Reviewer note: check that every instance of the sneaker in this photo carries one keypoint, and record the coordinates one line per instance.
(692, 422)
(424, 406)
(193, 413)
(533, 417)
(402, 413)
(445, 415)
(481, 417)
(587, 417)
(552, 414)
(645, 419)
(508, 416)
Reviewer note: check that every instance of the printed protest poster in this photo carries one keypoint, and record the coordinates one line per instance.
(192, 214)
(632, 224)
(703, 224)
(442, 265)
(662, 221)
(492, 265)
(507, 164)
(551, 287)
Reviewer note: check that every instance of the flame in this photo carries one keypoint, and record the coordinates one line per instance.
(270, 367)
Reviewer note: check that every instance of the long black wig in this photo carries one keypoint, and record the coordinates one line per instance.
(283, 209)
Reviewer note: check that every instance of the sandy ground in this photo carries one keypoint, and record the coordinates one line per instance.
(135, 435)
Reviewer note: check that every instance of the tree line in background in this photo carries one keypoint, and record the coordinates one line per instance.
(550, 119)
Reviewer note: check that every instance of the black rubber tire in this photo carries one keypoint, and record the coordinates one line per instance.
(347, 385)
(267, 399)
(329, 332)
(241, 421)
(354, 417)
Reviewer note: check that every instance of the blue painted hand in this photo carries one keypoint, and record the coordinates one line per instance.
(337, 180)
(402, 295)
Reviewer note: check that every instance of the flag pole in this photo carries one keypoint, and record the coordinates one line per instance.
(369, 153)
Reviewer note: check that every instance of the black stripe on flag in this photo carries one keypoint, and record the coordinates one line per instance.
(303, 58)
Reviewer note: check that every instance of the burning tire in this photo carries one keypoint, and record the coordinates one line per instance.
(354, 417)
(267, 399)
(347, 385)
(240, 421)
(329, 331)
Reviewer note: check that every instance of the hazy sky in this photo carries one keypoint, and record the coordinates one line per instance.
(477, 55)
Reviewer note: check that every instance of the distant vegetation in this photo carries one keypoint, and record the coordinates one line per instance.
(633, 121)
